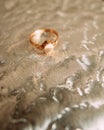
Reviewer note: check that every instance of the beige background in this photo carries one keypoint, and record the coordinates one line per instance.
(61, 91)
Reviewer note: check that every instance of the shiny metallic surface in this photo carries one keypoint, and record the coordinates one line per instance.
(61, 91)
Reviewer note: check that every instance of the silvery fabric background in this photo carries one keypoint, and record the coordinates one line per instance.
(62, 91)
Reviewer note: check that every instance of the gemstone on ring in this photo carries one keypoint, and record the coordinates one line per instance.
(44, 39)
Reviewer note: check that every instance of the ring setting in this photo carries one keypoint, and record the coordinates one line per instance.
(44, 40)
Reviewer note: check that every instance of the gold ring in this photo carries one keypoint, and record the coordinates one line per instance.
(44, 39)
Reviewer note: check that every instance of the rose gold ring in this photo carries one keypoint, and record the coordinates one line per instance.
(44, 39)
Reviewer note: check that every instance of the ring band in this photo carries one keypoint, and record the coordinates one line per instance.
(49, 42)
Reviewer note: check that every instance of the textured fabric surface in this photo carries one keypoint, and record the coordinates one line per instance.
(61, 91)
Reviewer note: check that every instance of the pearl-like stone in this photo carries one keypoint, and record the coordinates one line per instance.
(48, 48)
